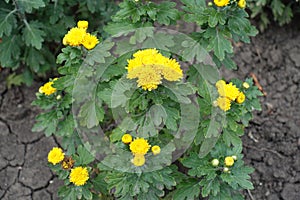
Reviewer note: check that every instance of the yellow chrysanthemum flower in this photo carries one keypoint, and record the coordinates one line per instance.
(242, 4)
(240, 98)
(149, 67)
(83, 24)
(127, 138)
(74, 37)
(89, 41)
(229, 161)
(139, 146)
(56, 155)
(138, 160)
(79, 176)
(220, 84)
(47, 88)
(224, 103)
(228, 90)
(221, 3)
(155, 150)
(232, 91)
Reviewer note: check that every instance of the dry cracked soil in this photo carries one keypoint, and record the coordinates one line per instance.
(271, 143)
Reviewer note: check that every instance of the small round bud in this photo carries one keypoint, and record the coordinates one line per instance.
(126, 138)
(226, 170)
(210, 3)
(246, 85)
(155, 150)
(215, 103)
(58, 97)
(234, 157)
(215, 162)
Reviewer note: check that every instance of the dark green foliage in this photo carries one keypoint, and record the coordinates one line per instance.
(32, 31)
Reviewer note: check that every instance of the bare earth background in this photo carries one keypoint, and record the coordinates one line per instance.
(271, 143)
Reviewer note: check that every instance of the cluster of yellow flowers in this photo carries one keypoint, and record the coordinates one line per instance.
(149, 67)
(228, 162)
(47, 88)
(222, 3)
(139, 148)
(78, 36)
(78, 176)
(227, 94)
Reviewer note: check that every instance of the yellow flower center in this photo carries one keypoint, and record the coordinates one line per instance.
(224, 103)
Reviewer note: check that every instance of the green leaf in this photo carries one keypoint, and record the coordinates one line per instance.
(194, 10)
(215, 17)
(66, 127)
(27, 6)
(34, 59)
(13, 79)
(33, 34)
(119, 98)
(208, 73)
(158, 114)
(87, 193)
(10, 51)
(277, 7)
(167, 13)
(193, 50)
(99, 183)
(239, 176)
(117, 29)
(67, 193)
(7, 22)
(219, 42)
(47, 122)
(187, 190)
(141, 34)
(116, 135)
(172, 117)
(210, 186)
(99, 53)
(91, 113)
(230, 137)
(84, 157)
(160, 41)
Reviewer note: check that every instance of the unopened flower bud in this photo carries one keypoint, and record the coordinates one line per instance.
(215, 162)
(215, 103)
(58, 97)
(234, 157)
(210, 3)
(226, 170)
(246, 85)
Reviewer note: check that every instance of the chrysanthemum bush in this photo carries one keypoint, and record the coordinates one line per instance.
(145, 114)
(31, 31)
